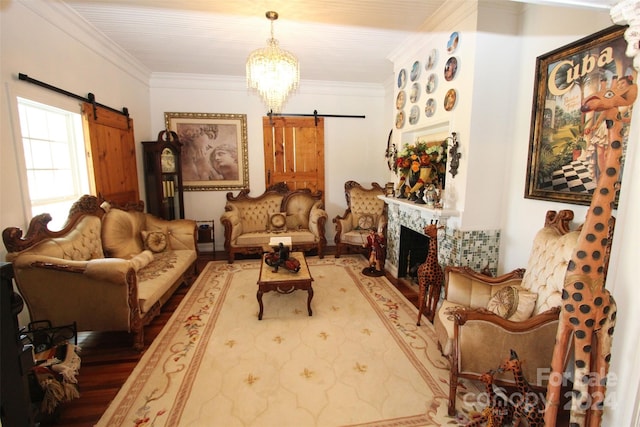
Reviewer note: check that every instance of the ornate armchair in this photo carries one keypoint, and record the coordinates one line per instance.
(482, 318)
(364, 212)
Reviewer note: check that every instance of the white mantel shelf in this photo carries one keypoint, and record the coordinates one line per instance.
(425, 212)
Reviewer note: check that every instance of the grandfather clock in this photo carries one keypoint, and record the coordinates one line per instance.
(163, 176)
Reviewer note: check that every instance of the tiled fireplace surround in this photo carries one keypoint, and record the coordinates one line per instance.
(476, 249)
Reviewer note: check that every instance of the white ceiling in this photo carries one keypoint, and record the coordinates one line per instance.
(336, 40)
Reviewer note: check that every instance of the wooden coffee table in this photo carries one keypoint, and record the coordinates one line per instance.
(284, 281)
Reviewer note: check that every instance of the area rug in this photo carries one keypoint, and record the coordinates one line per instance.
(360, 360)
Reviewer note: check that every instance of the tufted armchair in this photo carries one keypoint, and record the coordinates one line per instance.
(365, 210)
(482, 318)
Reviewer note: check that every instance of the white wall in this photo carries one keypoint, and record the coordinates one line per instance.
(545, 29)
(73, 59)
(354, 147)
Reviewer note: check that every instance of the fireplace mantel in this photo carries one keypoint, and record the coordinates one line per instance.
(423, 210)
(476, 249)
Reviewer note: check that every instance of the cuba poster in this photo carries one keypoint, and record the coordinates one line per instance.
(569, 133)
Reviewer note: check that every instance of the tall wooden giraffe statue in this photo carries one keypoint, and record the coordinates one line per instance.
(588, 309)
(430, 275)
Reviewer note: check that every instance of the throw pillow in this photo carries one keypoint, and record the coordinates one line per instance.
(293, 222)
(513, 303)
(278, 222)
(365, 222)
(155, 241)
(526, 305)
(504, 302)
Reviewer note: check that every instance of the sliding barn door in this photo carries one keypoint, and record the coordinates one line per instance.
(294, 152)
(112, 155)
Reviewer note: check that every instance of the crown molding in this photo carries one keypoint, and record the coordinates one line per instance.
(68, 21)
(239, 84)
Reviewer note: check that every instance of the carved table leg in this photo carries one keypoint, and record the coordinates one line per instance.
(310, 291)
(259, 296)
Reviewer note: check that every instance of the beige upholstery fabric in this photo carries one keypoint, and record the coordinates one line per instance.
(248, 226)
(121, 233)
(255, 216)
(365, 211)
(81, 244)
(468, 292)
(504, 302)
(365, 202)
(299, 206)
(165, 274)
(547, 266)
(68, 279)
(355, 237)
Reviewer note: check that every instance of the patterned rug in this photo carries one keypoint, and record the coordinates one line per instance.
(360, 360)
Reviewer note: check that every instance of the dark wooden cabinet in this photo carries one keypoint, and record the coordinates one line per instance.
(163, 176)
(16, 360)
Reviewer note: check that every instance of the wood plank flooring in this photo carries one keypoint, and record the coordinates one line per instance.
(108, 359)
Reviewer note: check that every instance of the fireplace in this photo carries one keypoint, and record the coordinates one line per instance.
(412, 252)
(472, 248)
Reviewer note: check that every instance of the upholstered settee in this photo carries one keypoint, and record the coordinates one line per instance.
(108, 269)
(250, 222)
(482, 318)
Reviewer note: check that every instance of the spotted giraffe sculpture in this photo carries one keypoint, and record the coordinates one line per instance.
(430, 275)
(588, 309)
(497, 413)
(529, 406)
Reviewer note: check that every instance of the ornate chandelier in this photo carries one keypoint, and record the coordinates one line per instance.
(272, 71)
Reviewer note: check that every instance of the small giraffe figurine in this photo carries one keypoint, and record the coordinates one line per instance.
(430, 275)
(588, 309)
(498, 413)
(530, 406)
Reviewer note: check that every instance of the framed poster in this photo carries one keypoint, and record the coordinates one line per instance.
(214, 150)
(569, 134)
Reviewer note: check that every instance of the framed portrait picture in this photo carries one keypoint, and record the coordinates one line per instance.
(578, 89)
(214, 150)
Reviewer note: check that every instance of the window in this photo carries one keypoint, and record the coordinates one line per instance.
(54, 156)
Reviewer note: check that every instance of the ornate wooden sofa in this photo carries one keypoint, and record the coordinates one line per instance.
(481, 318)
(250, 222)
(108, 269)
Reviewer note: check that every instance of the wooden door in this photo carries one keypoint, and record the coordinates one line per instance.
(112, 155)
(294, 152)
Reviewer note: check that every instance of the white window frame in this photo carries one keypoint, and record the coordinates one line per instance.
(58, 205)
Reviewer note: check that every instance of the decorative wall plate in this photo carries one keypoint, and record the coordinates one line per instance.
(450, 99)
(415, 71)
(401, 99)
(414, 115)
(430, 108)
(400, 120)
(451, 68)
(432, 83)
(431, 60)
(452, 44)
(415, 92)
(402, 78)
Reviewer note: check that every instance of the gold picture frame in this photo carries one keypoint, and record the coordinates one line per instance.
(214, 150)
(566, 141)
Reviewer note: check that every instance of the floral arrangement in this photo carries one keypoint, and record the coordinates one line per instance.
(431, 154)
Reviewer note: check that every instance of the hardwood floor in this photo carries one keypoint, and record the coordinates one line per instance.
(108, 359)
